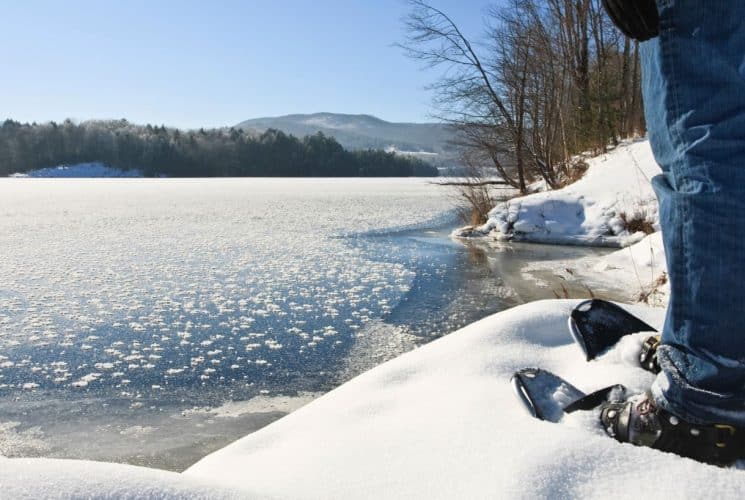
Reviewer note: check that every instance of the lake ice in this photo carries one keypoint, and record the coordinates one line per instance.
(131, 311)
(152, 321)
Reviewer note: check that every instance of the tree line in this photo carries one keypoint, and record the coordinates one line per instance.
(157, 150)
(548, 79)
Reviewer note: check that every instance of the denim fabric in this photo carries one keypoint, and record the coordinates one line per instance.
(694, 93)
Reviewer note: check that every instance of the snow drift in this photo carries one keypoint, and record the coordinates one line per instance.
(442, 422)
(33, 479)
(589, 212)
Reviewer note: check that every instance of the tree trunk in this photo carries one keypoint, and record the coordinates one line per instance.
(626, 88)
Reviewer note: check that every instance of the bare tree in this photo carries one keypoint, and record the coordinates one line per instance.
(468, 95)
(549, 79)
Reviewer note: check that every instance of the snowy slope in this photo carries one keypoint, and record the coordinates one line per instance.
(442, 422)
(364, 132)
(641, 267)
(588, 211)
(34, 479)
(637, 273)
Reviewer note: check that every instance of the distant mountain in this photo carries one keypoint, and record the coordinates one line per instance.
(365, 132)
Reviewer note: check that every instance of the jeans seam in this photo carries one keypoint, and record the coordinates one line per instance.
(668, 53)
(668, 60)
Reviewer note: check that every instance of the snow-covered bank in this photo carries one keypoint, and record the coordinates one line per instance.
(606, 207)
(591, 211)
(34, 479)
(442, 422)
(641, 268)
(637, 273)
(81, 170)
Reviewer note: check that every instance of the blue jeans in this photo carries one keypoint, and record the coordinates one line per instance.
(694, 92)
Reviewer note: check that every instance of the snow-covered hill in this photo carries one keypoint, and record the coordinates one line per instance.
(365, 132)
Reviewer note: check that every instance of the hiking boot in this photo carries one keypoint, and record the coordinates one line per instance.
(638, 420)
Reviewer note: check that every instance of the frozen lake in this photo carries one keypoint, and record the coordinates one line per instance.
(153, 321)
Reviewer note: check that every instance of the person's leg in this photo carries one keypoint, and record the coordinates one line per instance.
(694, 92)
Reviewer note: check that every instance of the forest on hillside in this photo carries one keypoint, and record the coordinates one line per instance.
(157, 150)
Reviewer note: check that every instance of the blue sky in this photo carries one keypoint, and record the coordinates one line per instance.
(212, 63)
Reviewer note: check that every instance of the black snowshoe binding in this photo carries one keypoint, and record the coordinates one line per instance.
(648, 354)
(634, 419)
(638, 420)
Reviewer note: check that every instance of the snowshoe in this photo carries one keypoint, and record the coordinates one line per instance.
(597, 325)
(634, 419)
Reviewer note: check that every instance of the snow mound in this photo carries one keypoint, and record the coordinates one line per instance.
(442, 422)
(588, 212)
(81, 170)
(32, 479)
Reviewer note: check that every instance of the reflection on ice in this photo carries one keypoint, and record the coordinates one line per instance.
(142, 286)
(134, 300)
(154, 321)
